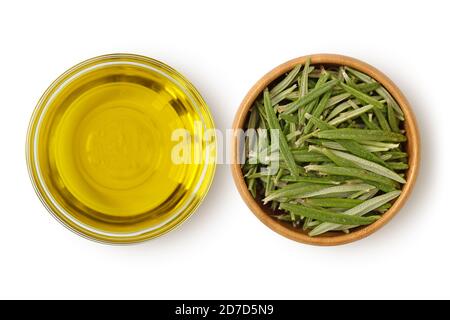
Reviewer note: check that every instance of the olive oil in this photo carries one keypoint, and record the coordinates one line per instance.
(100, 148)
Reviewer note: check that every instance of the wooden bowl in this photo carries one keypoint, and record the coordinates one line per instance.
(329, 238)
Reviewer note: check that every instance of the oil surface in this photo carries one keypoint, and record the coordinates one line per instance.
(104, 149)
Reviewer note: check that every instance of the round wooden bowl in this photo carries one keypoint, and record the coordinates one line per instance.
(329, 238)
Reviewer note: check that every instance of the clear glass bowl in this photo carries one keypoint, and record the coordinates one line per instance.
(98, 148)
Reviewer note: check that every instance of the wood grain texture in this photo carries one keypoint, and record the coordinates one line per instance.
(412, 147)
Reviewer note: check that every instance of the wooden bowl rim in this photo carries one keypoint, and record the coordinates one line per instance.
(413, 146)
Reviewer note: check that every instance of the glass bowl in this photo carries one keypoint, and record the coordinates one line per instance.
(102, 148)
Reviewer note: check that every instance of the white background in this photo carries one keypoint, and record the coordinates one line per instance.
(223, 251)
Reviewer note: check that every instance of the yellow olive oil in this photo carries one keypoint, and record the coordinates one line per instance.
(101, 144)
